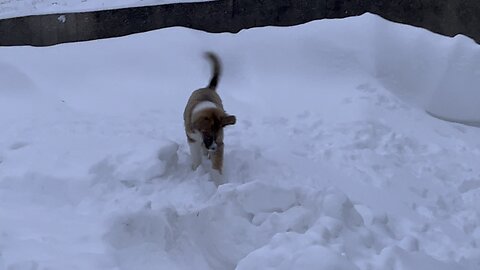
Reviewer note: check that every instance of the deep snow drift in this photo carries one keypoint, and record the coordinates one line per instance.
(333, 164)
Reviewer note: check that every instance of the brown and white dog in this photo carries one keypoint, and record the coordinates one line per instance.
(205, 118)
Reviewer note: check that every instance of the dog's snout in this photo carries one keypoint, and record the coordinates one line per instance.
(213, 147)
(208, 141)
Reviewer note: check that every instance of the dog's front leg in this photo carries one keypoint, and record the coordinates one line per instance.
(217, 164)
(217, 158)
(196, 154)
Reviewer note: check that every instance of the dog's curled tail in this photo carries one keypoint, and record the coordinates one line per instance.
(216, 69)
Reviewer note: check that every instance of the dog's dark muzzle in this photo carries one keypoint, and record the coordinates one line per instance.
(209, 142)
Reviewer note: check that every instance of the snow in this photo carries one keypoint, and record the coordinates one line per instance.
(334, 162)
(18, 8)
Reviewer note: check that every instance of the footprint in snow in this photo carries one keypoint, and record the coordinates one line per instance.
(366, 87)
(305, 114)
(275, 121)
(18, 145)
(465, 187)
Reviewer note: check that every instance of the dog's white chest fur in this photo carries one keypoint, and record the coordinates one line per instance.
(196, 135)
(202, 106)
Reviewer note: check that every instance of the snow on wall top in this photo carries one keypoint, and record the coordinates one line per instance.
(16, 8)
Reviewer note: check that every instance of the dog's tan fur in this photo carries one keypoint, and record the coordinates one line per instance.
(209, 121)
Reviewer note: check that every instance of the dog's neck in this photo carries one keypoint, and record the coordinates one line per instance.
(203, 105)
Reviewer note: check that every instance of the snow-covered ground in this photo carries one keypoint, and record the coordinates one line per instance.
(17, 8)
(333, 163)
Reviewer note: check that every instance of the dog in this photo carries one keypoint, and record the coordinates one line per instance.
(205, 118)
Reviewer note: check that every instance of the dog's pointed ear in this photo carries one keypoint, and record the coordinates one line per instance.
(229, 120)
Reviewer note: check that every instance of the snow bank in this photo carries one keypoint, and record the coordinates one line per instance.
(439, 74)
(333, 163)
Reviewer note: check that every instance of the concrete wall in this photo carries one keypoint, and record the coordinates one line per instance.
(448, 17)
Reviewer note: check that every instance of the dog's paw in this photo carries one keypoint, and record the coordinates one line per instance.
(217, 177)
(194, 167)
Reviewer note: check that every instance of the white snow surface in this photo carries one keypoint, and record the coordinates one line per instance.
(333, 162)
(17, 8)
